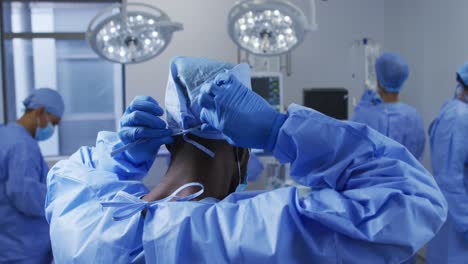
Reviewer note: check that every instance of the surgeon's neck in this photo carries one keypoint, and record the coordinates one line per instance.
(191, 165)
(388, 97)
(463, 96)
(29, 122)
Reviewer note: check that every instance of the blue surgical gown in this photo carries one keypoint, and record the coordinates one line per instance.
(24, 231)
(449, 151)
(373, 202)
(397, 121)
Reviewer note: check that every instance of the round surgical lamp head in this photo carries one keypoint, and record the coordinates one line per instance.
(267, 27)
(131, 33)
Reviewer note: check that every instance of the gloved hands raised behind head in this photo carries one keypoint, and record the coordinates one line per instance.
(245, 118)
(142, 120)
(371, 96)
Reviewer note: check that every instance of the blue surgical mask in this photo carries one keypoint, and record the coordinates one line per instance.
(44, 133)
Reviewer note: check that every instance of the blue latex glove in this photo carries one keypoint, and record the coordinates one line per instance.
(142, 120)
(371, 96)
(245, 118)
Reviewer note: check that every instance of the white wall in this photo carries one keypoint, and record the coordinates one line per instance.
(430, 34)
(321, 61)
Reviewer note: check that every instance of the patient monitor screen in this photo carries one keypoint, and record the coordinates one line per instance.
(268, 87)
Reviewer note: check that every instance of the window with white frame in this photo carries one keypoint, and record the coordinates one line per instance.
(44, 46)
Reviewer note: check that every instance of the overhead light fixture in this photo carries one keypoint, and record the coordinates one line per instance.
(131, 33)
(269, 27)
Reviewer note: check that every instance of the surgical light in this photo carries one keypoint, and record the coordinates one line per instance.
(131, 33)
(269, 27)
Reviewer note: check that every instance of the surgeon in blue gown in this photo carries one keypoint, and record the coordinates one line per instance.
(372, 201)
(384, 112)
(449, 152)
(24, 232)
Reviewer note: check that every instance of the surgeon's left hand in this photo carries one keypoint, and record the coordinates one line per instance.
(371, 96)
(245, 118)
(142, 120)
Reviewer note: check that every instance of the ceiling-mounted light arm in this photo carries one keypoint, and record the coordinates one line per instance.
(123, 15)
(99, 16)
(174, 26)
(313, 16)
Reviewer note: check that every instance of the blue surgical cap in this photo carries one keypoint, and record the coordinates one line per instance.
(392, 71)
(50, 99)
(462, 73)
(186, 76)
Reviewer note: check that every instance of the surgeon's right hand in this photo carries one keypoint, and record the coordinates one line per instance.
(245, 118)
(142, 120)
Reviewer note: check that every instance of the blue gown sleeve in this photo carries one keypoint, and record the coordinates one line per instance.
(26, 187)
(369, 97)
(372, 202)
(120, 165)
(421, 139)
(81, 230)
(453, 171)
(367, 187)
(368, 101)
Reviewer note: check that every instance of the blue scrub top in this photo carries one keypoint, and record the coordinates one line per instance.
(372, 202)
(449, 153)
(24, 232)
(398, 121)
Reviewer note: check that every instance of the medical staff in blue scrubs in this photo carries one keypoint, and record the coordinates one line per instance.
(24, 232)
(372, 201)
(384, 112)
(449, 153)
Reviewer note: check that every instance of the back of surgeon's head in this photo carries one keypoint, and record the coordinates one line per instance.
(392, 72)
(186, 77)
(221, 173)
